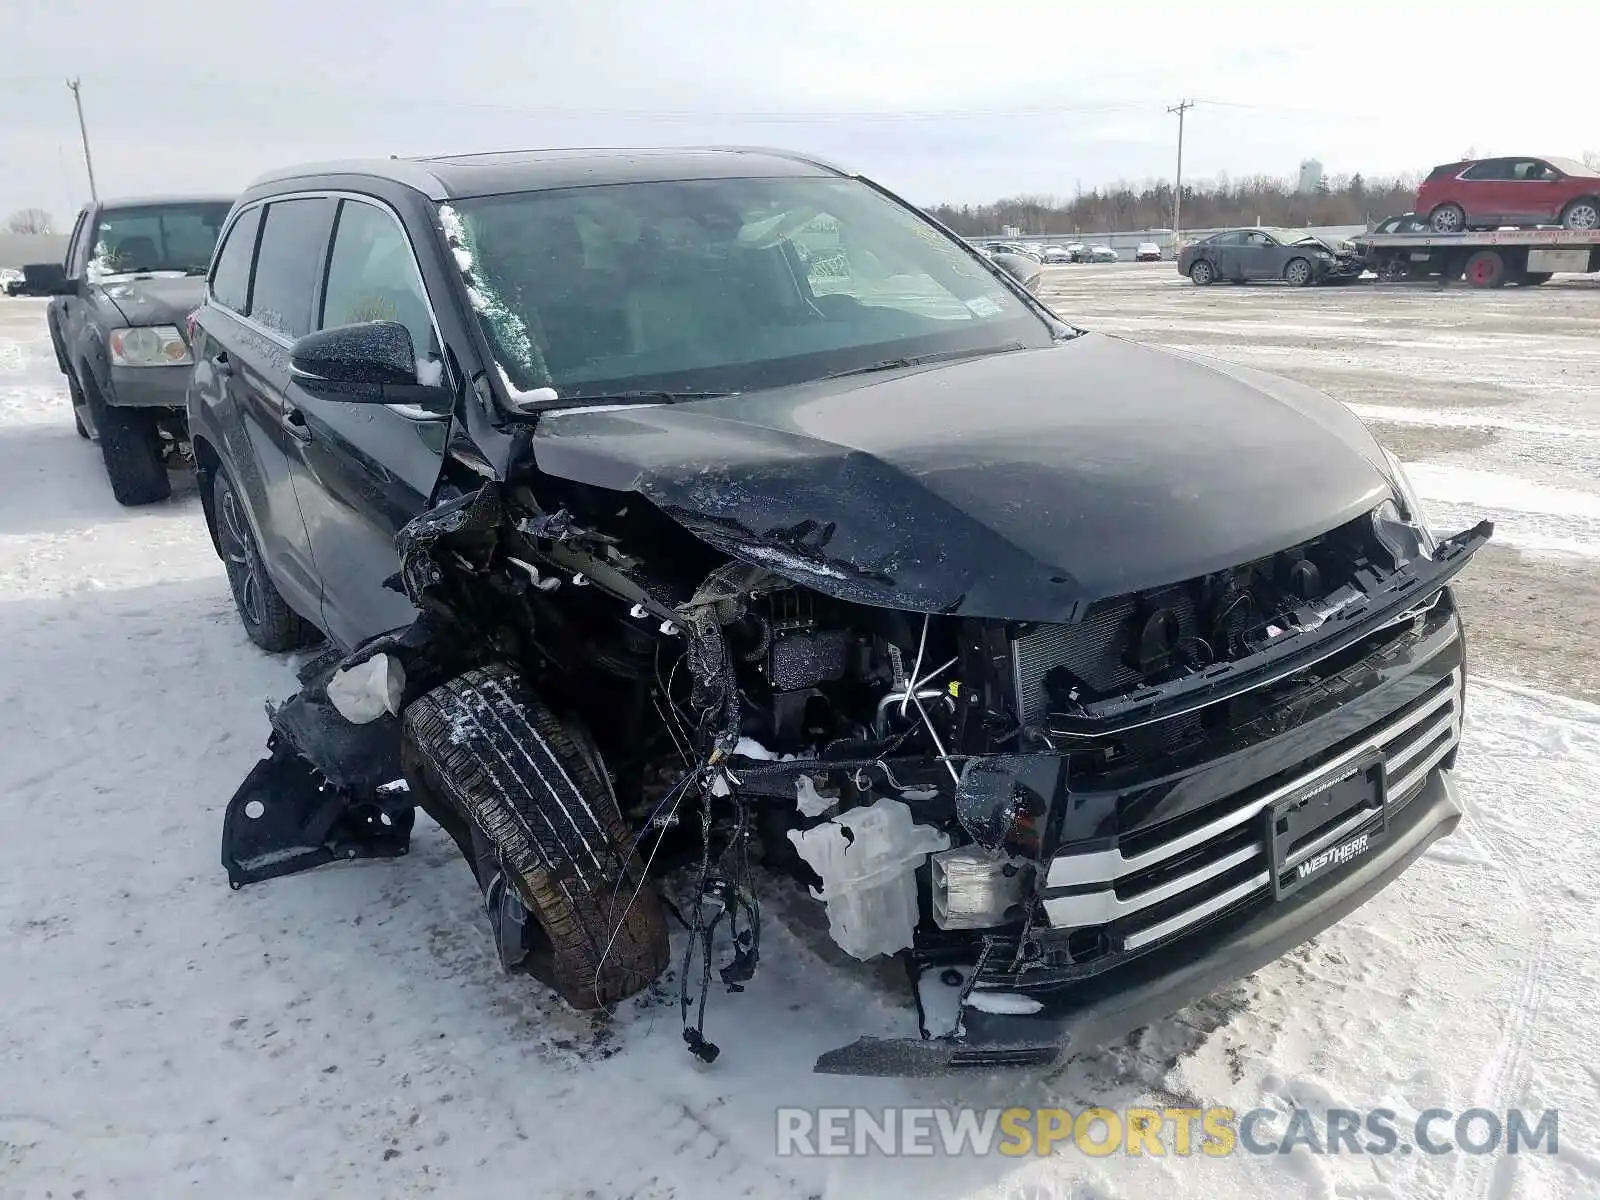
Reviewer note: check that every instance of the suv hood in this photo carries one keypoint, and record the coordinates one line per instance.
(156, 300)
(1021, 485)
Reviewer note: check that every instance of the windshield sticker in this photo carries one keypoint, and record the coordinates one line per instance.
(982, 306)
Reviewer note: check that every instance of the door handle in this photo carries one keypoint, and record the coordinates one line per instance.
(294, 421)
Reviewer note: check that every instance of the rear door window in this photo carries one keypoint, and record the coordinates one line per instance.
(230, 278)
(294, 241)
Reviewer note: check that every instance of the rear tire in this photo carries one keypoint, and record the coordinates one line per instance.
(1583, 213)
(267, 618)
(1486, 269)
(1202, 273)
(485, 746)
(1448, 218)
(131, 448)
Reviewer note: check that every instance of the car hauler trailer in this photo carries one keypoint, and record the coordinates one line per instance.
(1489, 258)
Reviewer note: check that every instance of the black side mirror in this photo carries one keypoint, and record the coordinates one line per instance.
(370, 363)
(47, 279)
(1021, 268)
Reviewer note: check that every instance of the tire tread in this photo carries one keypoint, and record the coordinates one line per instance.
(485, 744)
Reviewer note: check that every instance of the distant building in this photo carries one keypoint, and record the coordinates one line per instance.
(1310, 177)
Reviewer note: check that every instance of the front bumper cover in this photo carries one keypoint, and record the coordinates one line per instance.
(1083, 1016)
(149, 387)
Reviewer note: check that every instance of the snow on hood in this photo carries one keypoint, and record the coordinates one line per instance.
(1021, 485)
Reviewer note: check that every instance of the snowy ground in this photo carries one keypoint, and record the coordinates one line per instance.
(347, 1032)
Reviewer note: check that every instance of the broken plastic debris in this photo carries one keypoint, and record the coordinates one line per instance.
(366, 691)
(1006, 1003)
(867, 858)
(812, 802)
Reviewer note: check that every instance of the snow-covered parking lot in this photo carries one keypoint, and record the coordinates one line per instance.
(348, 1032)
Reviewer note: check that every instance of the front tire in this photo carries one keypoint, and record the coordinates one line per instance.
(486, 747)
(1297, 272)
(131, 449)
(1202, 273)
(267, 618)
(76, 398)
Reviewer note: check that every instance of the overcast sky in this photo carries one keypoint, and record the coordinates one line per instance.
(189, 95)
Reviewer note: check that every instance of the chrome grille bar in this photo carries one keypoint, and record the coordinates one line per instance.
(1408, 767)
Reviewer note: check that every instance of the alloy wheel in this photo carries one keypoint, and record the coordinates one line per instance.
(1585, 214)
(244, 570)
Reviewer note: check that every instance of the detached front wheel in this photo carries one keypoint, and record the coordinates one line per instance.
(535, 813)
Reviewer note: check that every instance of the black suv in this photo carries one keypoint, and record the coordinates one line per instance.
(133, 273)
(669, 509)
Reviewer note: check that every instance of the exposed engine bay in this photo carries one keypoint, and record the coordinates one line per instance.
(910, 768)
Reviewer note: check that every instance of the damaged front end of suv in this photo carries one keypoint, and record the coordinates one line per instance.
(1069, 806)
(1081, 677)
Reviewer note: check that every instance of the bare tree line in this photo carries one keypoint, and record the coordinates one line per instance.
(29, 220)
(1255, 199)
(1263, 199)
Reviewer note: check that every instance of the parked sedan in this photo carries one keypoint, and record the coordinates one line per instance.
(1147, 252)
(1487, 193)
(1056, 254)
(1019, 248)
(1099, 254)
(1243, 255)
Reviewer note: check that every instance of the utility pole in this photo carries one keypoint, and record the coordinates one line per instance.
(1180, 108)
(77, 99)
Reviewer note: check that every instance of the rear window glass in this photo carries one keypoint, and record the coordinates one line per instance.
(294, 238)
(230, 281)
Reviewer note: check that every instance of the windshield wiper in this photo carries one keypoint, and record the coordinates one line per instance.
(917, 360)
(640, 397)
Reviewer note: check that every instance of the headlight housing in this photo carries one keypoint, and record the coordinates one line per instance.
(1400, 524)
(148, 346)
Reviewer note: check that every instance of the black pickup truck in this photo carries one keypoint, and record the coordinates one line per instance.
(133, 272)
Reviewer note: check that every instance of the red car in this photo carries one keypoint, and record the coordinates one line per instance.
(1486, 193)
